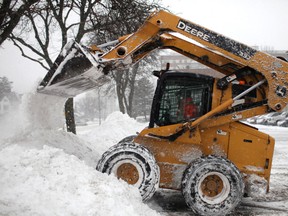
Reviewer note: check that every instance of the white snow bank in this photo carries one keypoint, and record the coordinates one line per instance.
(47, 171)
(115, 127)
(50, 182)
(39, 122)
(68, 142)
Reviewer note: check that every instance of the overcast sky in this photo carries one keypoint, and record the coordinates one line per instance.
(260, 23)
(253, 22)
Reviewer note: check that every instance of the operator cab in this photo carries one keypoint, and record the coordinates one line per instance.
(180, 97)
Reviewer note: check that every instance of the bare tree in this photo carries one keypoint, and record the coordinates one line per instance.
(5, 86)
(125, 87)
(126, 82)
(143, 97)
(126, 17)
(52, 22)
(11, 12)
(46, 27)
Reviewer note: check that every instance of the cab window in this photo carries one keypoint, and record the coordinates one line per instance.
(183, 99)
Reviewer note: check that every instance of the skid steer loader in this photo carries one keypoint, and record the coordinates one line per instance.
(195, 141)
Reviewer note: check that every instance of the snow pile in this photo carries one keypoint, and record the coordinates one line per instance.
(115, 127)
(51, 182)
(68, 142)
(40, 122)
(46, 171)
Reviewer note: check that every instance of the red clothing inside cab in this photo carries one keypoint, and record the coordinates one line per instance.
(190, 109)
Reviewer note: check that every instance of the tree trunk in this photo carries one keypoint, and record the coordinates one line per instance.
(121, 84)
(69, 115)
(13, 18)
(99, 107)
(132, 82)
(120, 100)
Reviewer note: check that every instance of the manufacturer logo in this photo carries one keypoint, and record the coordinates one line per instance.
(216, 39)
(193, 31)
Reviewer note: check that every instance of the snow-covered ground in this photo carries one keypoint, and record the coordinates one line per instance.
(46, 171)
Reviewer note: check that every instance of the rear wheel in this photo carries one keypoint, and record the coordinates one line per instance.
(212, 186)
(134, 164)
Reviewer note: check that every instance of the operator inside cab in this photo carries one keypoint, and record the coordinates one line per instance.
(187, 109)
(181, 97)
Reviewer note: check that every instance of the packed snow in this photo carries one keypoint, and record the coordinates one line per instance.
(47, 171)
(48, 181)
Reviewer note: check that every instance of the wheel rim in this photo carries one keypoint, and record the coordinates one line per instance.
(214, 187)
(128, 172)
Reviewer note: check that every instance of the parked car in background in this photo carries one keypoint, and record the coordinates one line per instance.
(264, 118)
(283, 123)
(272, 120)
(252, 120)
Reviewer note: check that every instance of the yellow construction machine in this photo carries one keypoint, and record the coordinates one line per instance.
(195, 141)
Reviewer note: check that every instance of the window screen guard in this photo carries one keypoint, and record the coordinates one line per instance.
(183, 100)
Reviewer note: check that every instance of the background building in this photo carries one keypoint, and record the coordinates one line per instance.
(183, 63)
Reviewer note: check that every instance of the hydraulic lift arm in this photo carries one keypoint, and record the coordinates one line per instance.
(70, 76)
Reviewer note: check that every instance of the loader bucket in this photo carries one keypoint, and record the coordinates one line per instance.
(75, 71)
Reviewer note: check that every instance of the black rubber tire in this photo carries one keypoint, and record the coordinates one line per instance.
(141, 158)
(196, 174)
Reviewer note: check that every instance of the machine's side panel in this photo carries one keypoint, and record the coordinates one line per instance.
(251, 150)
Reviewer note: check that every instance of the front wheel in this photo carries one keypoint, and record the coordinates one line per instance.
(212, 186)
(128, 139)
(134, 164)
